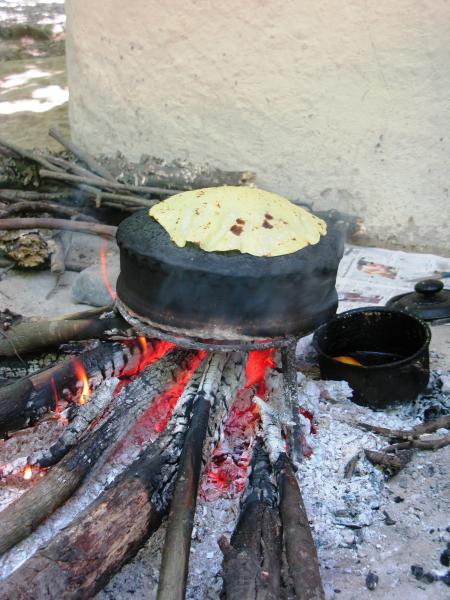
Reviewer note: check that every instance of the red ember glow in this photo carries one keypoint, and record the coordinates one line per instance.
(27, 472)
(258, 362)
(108, 286)
(158, 413)
(81, 375)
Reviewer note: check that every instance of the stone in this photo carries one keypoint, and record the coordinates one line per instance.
(89, 286)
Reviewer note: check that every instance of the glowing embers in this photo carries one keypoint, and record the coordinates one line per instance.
(82, 377)
(156, 417)
(258, 362)
(227, 472)
(27, 472)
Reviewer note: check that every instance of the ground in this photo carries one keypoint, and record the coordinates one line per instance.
(32, 79)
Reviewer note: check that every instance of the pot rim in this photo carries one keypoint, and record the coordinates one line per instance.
(380, 309)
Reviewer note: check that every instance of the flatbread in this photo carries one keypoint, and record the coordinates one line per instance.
(246, 219)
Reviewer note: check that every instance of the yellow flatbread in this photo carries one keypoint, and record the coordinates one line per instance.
(249, 220)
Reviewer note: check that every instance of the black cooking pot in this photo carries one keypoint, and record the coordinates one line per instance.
(391, 346)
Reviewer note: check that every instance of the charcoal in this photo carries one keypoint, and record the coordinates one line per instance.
(371, 581)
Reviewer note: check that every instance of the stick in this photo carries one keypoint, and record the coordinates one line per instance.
(30, 336)
(22, 517)
(27, 154)
(301, 552)
(251, 568)
(41, 206)
(36, 223)
(18, 195)
(104, 183)
(420, 444)
(291, 393)
(391, 462)
(406, 434)
(175, 556)
(80, 154)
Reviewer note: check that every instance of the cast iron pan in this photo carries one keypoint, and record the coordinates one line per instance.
(225, 295)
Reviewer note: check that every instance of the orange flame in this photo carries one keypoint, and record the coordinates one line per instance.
(255, 369)
(108, 286)
(81, 374)
(27, 473)
(55, 395)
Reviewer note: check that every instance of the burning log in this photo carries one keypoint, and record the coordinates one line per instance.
(251, 567)
(82, 557)
(22, 517)
(29, 336)
(16, 368)
(175, 557)
(26, 400)
(291, 393)
(85, 415)
(301, 553)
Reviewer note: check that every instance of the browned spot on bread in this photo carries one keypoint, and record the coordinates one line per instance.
(266, 224)
(236, 229)
(240, 221)
(268, 216)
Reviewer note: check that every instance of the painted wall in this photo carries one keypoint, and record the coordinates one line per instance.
(344, 104)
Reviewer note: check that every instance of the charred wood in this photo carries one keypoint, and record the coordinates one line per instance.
(251, 568)
(298, 542)
(22, 517)
(301, 552)
(29, 336)
(85, 415)
(81, 558)
(175, 556)
(393, 463)
(16, 368)
(26, 400)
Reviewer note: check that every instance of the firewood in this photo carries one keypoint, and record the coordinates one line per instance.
(22, 517)
(178, 175)
(82, 155)
(406, 434)
(96, 181)
(251, 567)
(13, 368)
(420, 444)
(110, 530)
(291, 393)
(41, 206)
(30, 336)
(175, 556)
(108, 231)
(301, 552)
(299, 545)
(85, 415)
(26, 400)
(393, 463)
(30, 195)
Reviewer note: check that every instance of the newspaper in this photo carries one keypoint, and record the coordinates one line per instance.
(371, 276)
